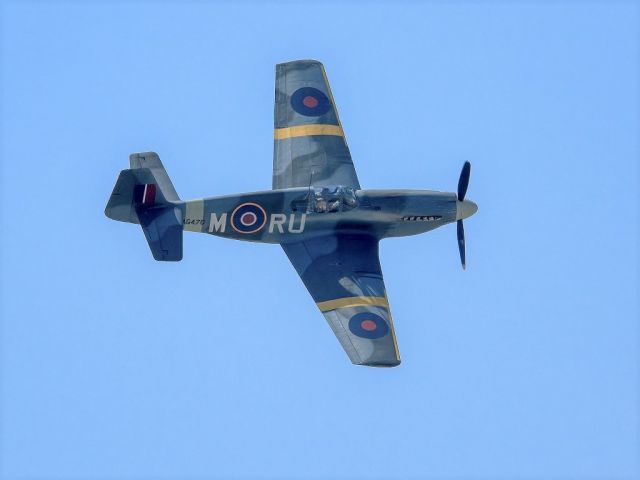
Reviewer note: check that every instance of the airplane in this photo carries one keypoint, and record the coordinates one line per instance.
(328, 226)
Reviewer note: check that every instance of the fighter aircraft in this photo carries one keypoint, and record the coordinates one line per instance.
(328, 226)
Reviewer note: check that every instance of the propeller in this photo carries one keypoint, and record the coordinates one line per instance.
(463, 184)
(461, 246)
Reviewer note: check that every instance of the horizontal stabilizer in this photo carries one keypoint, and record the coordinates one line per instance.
(163, 229)
(134, 188)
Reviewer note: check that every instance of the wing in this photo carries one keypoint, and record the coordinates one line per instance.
(308, 136)
(343, 275)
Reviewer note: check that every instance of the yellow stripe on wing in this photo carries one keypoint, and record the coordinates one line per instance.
(306, 130)
(353, 302)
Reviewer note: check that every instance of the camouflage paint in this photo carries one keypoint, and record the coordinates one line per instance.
(381, 213)
(334, 249)
(309, 142)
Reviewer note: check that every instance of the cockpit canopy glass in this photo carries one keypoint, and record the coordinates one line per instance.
(329, 200)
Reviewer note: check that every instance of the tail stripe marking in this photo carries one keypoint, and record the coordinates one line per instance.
(149, 195)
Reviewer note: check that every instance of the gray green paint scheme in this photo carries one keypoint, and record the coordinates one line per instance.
(323, 159)
(334, 251)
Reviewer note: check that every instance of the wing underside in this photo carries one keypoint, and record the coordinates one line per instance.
(309, 143)
(343, 275)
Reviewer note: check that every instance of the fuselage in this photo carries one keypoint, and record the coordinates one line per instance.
(289, 215)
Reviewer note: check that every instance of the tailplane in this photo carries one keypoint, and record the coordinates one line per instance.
(144, 194)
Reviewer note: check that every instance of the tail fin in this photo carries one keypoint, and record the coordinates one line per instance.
(144, 194)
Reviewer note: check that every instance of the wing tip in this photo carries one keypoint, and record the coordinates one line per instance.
(390, 364)
(302, 62)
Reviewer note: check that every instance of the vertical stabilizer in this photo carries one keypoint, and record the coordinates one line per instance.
(145, 195)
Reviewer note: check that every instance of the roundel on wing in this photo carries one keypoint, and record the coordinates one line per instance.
(248, 218)
(310, 102)
(368, 325)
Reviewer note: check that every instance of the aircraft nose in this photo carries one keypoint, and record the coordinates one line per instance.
(465, 209)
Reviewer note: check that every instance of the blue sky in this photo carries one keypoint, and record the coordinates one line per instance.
(524, 366)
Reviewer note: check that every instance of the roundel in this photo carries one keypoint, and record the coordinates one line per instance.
(368, 325)
(310, 102)
(248, 218)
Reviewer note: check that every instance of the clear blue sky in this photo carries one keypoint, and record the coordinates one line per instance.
(525, 366)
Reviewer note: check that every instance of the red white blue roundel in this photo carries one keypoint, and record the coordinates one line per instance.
(248, 218)
(368, 325)
(310, 102)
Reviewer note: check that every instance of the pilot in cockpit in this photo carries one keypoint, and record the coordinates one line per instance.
(333, 206)
(332, 201)
(321, 205)
(349, 199)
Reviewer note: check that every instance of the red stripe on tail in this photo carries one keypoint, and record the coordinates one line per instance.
(149, 195)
